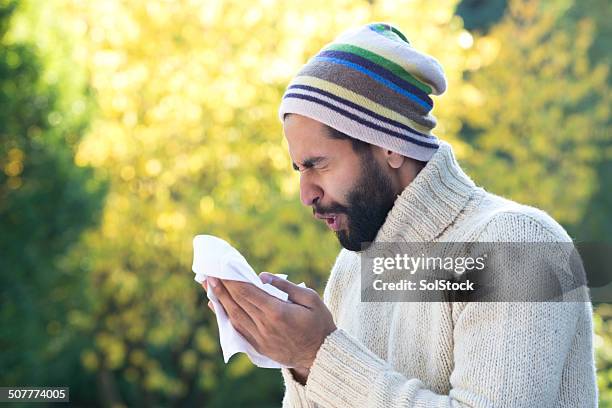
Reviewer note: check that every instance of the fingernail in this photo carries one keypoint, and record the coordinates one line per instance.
(265, 277)
(213, 281)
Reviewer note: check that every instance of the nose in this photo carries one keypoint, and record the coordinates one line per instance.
(310, 193)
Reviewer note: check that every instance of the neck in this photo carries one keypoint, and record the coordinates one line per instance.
(408, 172)
(433, 197)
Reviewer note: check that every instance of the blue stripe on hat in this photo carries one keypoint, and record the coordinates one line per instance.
(380, 70)
(378, 78)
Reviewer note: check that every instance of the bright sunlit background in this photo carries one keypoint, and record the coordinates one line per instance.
(128, 127)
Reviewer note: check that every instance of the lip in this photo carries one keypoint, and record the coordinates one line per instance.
(330, 219)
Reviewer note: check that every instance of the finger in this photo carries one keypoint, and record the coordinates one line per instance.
(250, 297)
(248, 336)
(239, 318)
(205, 285)
(297, 294)
(242, 293)
(279, 275)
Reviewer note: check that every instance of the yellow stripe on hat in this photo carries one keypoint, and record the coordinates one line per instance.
(359, 100)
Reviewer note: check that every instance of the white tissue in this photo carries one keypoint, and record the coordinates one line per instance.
(213, 256)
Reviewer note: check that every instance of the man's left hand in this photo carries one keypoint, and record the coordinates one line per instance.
(289, 333)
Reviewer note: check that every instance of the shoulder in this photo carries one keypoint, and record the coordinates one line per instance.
(507, 220)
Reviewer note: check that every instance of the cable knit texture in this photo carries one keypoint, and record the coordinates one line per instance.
(436, 354)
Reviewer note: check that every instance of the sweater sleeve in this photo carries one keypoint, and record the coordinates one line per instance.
(498, 362)
(295, 393)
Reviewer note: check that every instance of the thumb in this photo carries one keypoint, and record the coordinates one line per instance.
(297, 294)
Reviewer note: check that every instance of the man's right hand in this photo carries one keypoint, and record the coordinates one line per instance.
(299, 374)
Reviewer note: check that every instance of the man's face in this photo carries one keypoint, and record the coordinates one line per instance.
(350, 191)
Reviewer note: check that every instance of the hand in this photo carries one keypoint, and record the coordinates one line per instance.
(290, 333)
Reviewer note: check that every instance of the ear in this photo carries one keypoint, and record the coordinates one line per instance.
(395, 160)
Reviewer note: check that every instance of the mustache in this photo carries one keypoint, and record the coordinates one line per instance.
(334, 208)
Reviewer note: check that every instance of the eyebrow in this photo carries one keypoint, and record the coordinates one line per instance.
(309, 162)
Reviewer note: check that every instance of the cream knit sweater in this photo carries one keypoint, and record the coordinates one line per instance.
(434, 354)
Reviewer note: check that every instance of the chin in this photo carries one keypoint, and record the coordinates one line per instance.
(349, 244)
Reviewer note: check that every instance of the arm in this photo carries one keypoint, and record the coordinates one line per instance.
(295, 379)
(497, 362)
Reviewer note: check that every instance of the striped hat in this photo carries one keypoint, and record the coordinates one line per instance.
(370, 84)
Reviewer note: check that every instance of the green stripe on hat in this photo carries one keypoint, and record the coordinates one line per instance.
(384, 30)
(382, 61)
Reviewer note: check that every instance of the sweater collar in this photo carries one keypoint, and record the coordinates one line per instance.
(431, 202)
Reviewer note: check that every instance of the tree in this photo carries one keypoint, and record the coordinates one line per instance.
(596, 223)
(46, 202)
(538, 110)
(188, 133)
(480, 15)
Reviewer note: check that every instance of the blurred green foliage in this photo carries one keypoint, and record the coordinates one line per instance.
(129, 127)
(539, 112)
(46, 202)
(480, 15)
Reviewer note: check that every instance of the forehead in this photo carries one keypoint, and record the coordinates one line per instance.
(307, 137)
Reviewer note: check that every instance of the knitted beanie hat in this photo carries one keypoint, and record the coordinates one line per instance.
(370, 84)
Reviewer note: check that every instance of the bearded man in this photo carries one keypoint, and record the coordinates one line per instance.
(357, 119)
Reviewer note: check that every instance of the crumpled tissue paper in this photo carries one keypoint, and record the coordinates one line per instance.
(213, 256)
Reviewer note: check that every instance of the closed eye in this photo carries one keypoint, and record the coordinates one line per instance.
(310, 163)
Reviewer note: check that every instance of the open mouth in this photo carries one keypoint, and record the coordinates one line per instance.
(331, 221)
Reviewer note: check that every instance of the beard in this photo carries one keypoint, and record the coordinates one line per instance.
(369, 202)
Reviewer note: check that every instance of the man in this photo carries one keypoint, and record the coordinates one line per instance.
(358, 124)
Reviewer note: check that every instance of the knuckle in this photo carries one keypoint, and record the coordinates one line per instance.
(313, 293)
(279, 313)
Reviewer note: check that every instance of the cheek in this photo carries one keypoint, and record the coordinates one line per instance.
(339, 185)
